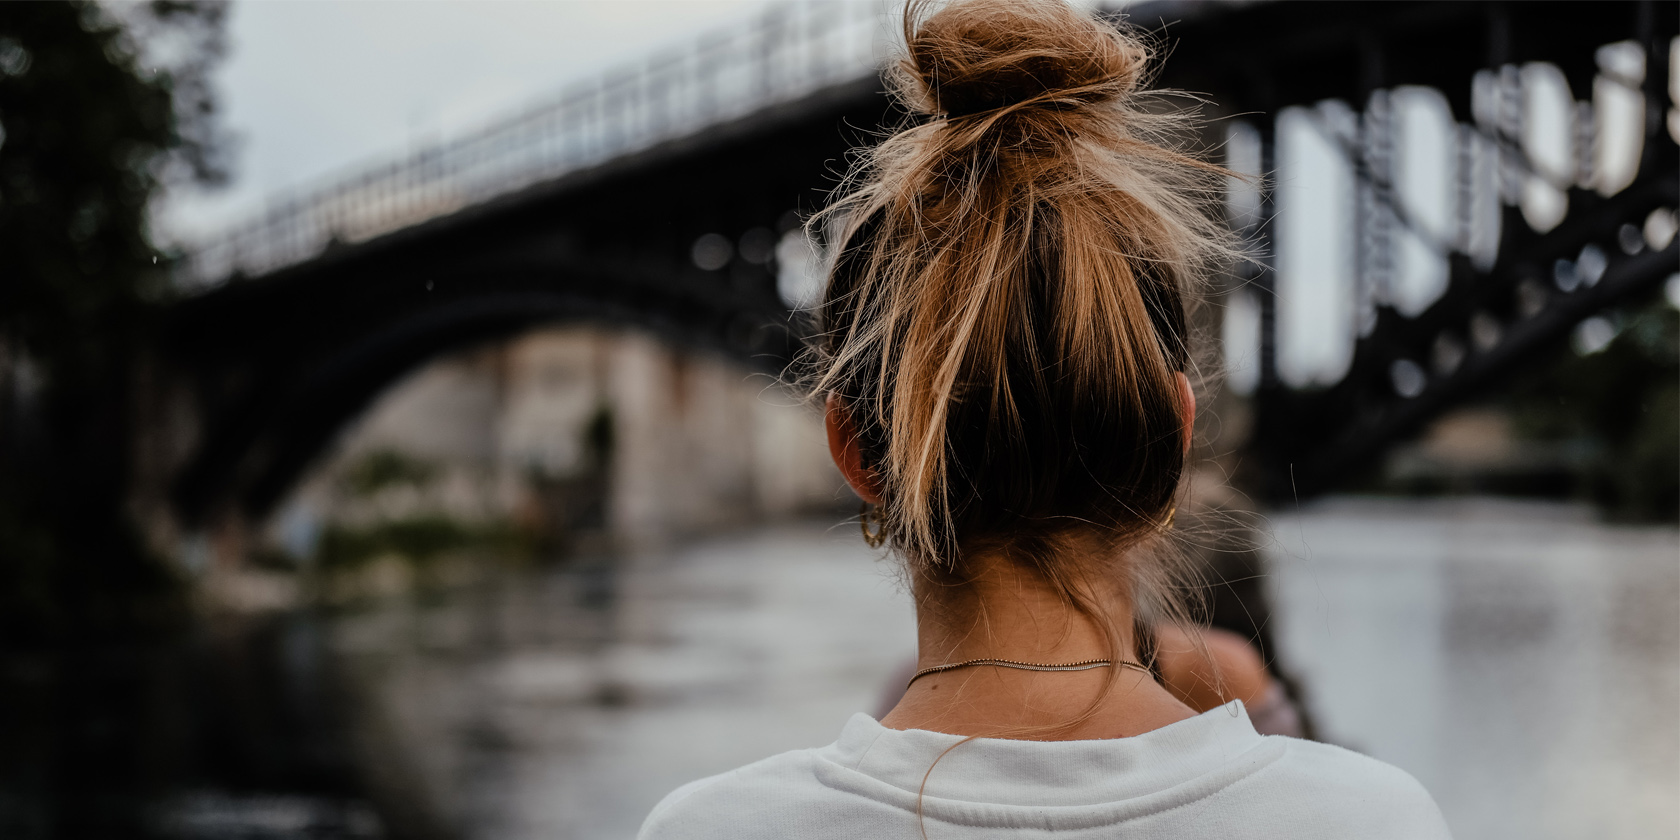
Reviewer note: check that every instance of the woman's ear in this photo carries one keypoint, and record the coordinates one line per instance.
(1187, 398)
(848, 455)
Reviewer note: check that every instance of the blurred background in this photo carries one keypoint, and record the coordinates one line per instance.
(396, 438)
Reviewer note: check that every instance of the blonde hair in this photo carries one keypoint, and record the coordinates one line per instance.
(1005, 318)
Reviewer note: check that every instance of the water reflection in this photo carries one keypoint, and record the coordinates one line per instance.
(1522, 660)
(565, 703)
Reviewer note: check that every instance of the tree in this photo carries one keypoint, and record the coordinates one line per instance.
(99, 108)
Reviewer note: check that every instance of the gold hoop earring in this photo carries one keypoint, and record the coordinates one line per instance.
(867, 514)
(1167, 524)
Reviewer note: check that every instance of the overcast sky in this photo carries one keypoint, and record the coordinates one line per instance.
(311, 87)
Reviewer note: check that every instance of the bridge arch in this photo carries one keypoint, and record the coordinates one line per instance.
(269, 435)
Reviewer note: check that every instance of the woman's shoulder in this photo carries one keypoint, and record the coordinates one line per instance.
(729, 804)
(1339, 785)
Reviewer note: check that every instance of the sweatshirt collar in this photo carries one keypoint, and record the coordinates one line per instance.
(1045, 773)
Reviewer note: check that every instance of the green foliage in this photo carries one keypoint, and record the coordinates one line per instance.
(1621, 403)
(420, 539)
(384, 468)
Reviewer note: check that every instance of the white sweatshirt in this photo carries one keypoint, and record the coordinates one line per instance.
(1211, 776)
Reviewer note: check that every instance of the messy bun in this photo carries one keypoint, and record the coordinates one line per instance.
(1005, 317)
(980, 57)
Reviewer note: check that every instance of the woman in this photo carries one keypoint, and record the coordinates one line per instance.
(1004, 358)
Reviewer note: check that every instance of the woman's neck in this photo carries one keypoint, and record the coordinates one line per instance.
(1006, 612)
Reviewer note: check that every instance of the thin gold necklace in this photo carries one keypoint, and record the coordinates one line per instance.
(1083, 665)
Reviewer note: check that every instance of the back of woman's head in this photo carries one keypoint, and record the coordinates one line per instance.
(1005, 319)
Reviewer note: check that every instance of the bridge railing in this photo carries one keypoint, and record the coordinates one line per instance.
(791, 51)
